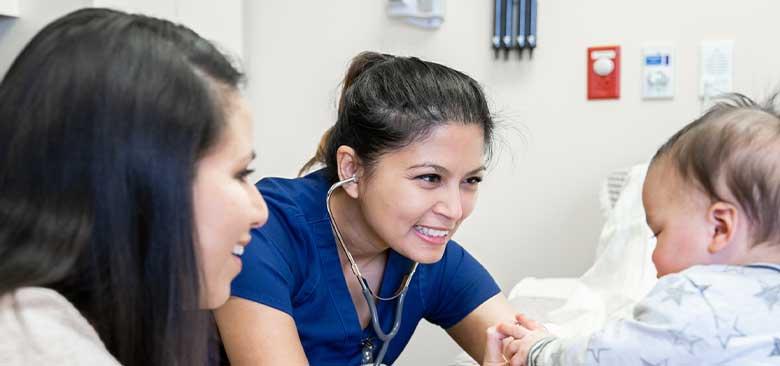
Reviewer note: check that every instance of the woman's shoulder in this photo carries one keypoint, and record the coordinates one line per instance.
(453, 262)
(299, 196)
(40, 326)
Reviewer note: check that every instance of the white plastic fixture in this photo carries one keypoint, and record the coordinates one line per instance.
(427, 14)
(9, 8)
(716, 68)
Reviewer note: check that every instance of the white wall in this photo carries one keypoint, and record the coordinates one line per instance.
(218, 21)
(538, 213)
(33, 15)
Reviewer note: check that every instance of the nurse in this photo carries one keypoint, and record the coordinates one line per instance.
(409, 147)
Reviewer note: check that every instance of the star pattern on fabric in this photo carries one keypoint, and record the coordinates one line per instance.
(677, 293)
(648, 363)
(770, 295)
(679, 337)
(700, 288)
(776, 350)
(596, 353)
(725, 334)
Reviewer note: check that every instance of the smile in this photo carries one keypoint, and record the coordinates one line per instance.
(238, 250)
(434, 233)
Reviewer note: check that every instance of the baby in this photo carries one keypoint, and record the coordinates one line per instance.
(712, 200)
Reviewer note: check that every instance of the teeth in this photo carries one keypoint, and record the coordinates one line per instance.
(238, 250)
(431, 232)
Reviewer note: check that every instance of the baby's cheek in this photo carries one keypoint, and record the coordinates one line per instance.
(660, 262)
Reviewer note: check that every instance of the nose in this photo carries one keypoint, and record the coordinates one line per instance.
(450, 205)
(259, 213)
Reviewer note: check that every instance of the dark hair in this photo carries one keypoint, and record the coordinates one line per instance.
(732, 150)
(103, 118)
(388, 102)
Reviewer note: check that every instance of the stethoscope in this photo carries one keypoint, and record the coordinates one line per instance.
(367, 293)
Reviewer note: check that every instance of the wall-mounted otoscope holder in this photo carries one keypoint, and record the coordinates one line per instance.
(514, 27)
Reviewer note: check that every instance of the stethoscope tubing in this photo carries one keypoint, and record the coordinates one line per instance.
(367, 293)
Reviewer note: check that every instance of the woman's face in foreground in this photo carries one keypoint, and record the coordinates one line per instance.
(226, 205)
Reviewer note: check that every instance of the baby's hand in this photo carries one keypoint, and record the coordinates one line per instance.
(516, 350)
(497, 339)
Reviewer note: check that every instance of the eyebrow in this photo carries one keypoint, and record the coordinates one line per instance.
(442, 170)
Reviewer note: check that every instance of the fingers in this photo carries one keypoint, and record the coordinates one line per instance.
(505, 343)
(519, 359)
(510, 348)
(512, 330)
(494, 345)
(528, 322)
(516, 352)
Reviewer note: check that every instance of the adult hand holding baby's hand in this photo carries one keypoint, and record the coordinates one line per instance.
(494, 345)
(508, 344)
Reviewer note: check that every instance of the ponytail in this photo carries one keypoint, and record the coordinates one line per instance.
(359, 64)
(319, 156)
(387, 102)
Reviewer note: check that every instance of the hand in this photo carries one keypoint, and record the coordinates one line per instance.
(497, 340)
(516, 350)
(493, 348)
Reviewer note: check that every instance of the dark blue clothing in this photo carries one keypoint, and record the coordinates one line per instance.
(292, 264)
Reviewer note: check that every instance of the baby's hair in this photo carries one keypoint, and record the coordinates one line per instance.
(732, 153)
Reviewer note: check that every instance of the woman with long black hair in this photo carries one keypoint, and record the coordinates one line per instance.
(124, 153)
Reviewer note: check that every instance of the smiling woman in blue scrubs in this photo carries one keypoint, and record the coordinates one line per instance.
(416, 136)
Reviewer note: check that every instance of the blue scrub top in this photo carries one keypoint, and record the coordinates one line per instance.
(292, 264)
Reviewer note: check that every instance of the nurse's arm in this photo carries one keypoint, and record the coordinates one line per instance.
(470, 333)
(256, 334)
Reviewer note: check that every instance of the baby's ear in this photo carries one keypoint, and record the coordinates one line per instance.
(725, 221)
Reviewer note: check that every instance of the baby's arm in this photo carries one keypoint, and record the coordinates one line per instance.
(661, 330)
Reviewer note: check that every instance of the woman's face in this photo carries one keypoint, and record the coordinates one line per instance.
(226, 205)
(415, 198)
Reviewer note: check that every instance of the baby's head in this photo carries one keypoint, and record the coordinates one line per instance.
(712, 193)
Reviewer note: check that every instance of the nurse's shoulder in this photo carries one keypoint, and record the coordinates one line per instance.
(275, 265)
(303, 196)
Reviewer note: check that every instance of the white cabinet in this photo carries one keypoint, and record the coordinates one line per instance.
(219, 21)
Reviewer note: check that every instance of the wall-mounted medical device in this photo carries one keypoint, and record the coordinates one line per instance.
(658, 72)
(716, 68)
(603, 69)
(427, 14)
(514, 26)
